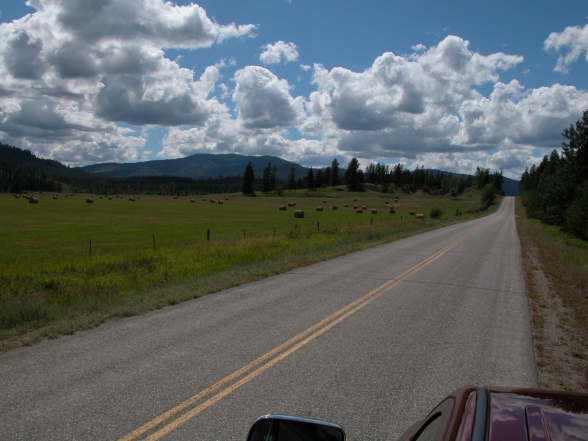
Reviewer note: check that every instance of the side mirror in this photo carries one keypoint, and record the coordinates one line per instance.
(288, 428)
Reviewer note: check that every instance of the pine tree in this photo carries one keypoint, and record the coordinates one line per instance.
(352, 178)
(248, 180)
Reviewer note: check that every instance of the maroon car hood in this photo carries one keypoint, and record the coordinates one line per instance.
(537, 416)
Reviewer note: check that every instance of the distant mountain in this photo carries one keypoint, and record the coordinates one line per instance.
(198, 166)
(510, 187)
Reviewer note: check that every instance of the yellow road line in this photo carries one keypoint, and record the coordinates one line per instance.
(242, 376)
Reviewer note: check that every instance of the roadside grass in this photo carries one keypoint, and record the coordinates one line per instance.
(556, 271)
(67, 265)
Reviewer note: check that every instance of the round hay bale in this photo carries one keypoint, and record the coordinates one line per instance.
(299, 214)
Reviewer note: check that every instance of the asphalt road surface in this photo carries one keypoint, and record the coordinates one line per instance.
(371, 340)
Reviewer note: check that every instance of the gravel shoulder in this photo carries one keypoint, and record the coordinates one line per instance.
(557, 310)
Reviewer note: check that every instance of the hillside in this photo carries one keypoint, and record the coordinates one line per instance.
(21, 170)
(198, 166)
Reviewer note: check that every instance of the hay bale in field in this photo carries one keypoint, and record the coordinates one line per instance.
(132, 199)
(374, 211)
(392, 210)
(364, 208)
(335, 207)
(356, 207)
(299, 214)
(319, 208)
(282, 208)
(89, 201)
(420, 216)
(324, 201)
(346, 205)
(33, 200)
(220, 202)
(192, 201)
(54, 198)
(291, 204)
(359, 211)
(411, 213)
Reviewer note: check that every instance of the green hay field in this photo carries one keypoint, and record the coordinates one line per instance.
(66, 264)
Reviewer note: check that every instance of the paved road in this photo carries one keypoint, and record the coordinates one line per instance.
(370, 340)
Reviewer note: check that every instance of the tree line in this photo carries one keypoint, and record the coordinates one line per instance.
(21, 171)
(556, 191)
(380, 175)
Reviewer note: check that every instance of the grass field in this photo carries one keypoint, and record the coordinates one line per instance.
(66, 264)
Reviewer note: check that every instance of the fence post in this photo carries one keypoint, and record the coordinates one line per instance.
(90, 247)
(154, 242)
(208, 235)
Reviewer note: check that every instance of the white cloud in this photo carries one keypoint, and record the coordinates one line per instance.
(279, 52)
(427, 106)
(574, 39)
(83, 81)
(264, 100)
(106, 59)
(399, 102)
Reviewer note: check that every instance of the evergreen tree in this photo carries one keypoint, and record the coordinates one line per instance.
(292, 179)
(310, 184)
(266, 180)
(352, 178)
(248, 180)
(335, 173)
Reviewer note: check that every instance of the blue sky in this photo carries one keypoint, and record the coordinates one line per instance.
(450, 85)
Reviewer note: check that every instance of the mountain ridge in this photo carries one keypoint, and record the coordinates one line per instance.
(198, 166)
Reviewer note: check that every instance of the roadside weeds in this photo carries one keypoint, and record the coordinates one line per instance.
(556, 275)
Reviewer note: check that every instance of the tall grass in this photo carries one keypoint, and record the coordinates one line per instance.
(50, 281)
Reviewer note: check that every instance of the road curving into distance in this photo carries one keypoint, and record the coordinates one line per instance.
(371, 340)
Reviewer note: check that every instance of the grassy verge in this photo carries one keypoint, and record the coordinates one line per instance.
(556, 271)
(48, 287)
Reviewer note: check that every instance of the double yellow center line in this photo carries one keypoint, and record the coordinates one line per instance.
(194, 405)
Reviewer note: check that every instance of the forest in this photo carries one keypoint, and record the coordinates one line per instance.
(556, 191)
(22, 171)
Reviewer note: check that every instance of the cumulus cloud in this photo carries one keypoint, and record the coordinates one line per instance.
(574, 40)
(82, 81)
(428, 103)
(105, 58)
(279, 52)
(264, 100)
(404, 100)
